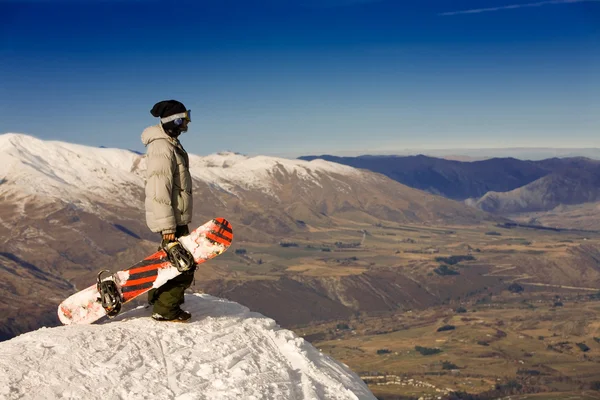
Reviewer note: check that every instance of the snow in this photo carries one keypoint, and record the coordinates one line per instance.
(69, 171)
(65, 170)
(225, 352)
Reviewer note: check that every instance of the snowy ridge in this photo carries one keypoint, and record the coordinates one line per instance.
(228, 170)
(226, 352)
(65, 170)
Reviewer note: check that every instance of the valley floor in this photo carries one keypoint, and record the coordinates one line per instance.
(518, 344)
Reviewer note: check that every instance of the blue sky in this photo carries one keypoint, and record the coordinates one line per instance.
(301, 77)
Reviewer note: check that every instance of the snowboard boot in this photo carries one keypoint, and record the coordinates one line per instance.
(181, 316)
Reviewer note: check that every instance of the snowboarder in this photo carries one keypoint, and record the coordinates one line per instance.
(168, 199)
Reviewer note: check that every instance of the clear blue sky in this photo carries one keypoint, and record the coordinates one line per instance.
(306, 76)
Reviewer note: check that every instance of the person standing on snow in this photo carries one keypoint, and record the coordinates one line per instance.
(168, 199)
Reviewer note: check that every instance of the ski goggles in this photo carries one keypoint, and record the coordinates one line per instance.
(187, 116)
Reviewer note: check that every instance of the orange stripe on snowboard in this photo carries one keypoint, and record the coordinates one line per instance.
(135, 282)
(145, 268)
(130, 295)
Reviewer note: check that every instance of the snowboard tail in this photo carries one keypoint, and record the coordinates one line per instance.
(204, 243)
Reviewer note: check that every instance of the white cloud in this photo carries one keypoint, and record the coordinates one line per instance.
(512, 7)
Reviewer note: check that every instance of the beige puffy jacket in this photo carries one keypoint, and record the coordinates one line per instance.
(168, 182)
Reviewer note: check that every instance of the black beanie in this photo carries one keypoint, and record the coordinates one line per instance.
(167, 108)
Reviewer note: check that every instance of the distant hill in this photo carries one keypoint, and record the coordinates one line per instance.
(449, 178)
(580, 216)
(574, 182)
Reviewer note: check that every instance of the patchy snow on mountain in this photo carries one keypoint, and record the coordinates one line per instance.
(225, 352)
(69, 171)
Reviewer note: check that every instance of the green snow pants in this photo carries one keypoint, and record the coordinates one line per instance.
(168, 298)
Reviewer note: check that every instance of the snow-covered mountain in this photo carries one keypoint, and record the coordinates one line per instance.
(90, 177)
(226, 352)
(63, 170)
(72, 172)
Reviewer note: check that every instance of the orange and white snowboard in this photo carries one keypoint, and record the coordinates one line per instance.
(204, 243)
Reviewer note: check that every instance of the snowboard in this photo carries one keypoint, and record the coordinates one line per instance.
(204, 243)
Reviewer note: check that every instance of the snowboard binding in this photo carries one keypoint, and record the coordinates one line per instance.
(180, 257)
(110, 298)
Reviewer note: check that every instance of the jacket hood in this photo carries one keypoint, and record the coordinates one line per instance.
(153, 133)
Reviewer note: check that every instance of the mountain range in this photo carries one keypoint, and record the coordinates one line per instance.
(68, 211)
(500, 185)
